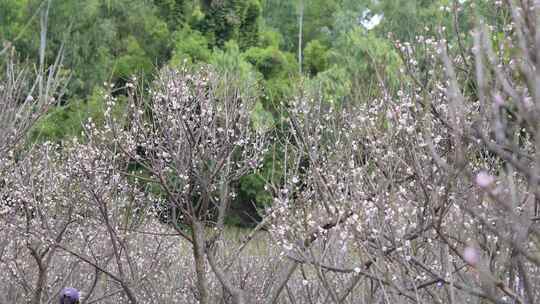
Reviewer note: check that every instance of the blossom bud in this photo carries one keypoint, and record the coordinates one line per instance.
(484, 179)
(471, 255)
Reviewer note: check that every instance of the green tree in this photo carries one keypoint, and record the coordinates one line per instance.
(359, 61)
(65, 122)
(93, 34)
(133, 61)
(318, 20)
(277, 69)
(231, 20)
(174, 12)
(315, 57)
(189, 45)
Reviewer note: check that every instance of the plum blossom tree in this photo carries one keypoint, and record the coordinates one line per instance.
(432, 191)
(34, 191)
(193, 139)
(24, 98)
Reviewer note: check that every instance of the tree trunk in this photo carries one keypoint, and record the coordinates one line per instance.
(42, 276)
(238, 295)
(300, 29)
(200, 262)
(42, 279)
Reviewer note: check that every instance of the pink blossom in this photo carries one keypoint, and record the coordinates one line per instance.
(484, 179)
(471, 255)
(499, 101)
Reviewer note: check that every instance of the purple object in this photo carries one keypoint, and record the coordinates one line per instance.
(69, 295)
